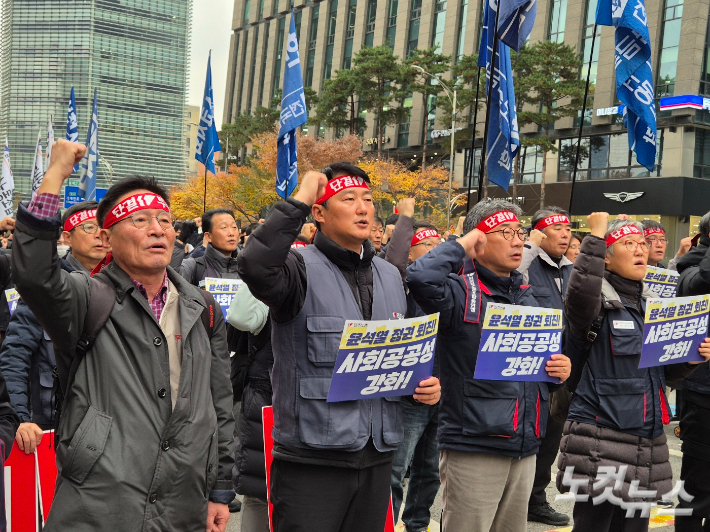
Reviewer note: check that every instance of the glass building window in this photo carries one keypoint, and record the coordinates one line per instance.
(262, 81)
(558, 16)
(668, 59)
(279, 55)
(604, 157)
(332, 21)
(261, 9)
(370, 28)
(586, 52)
(243, 74)
(299, 15)
(253, 69)
(414, 18)
(437, 40)
(701, 168)
(247, 8)
(392, 23)
(310, 63)
(349, 34)
(705, 75)
(463, 15)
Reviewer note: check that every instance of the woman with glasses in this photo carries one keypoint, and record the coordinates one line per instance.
(617, 412)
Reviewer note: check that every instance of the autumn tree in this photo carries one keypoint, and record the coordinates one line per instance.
(548, 88)
(392, 181)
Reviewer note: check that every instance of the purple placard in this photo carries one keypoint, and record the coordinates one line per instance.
(517, 342)
(673, 330)
(662, 282)
(386, 358)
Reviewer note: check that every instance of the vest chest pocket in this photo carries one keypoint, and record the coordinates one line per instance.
(490, 408)
(622, 402)
(325, 424)
(626, 338)
(324, 333)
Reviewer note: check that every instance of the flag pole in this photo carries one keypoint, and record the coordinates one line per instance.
(581, 122)
(489, 97)
(472, 155)
(204, 199)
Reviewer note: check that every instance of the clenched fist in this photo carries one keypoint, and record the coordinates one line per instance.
(598, 222)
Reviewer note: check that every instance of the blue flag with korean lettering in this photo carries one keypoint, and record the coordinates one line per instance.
(72, 123)
(294, 114)
(634, 76)
(207, 139)
(503, 133)
(90, 162)
(515, 21)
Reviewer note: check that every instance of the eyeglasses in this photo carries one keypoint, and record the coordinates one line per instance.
(428, 245)
(631, 245)
(89, 228)
(141, 220)
(653, 240)
(509, 233)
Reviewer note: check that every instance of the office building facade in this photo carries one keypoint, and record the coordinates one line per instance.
(134, 52)
(332, 31)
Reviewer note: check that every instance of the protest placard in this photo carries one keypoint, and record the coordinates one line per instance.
(661, 282)
(674, 329)
(12, 298)
(517, 342)
(223, 291)
(385, 358)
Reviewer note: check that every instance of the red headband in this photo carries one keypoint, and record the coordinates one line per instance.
(623, 231)
(552, 220)
(496, 219)
(423, 234)
(341, 183)
(78, 218)
(653, 231)
(134, 203)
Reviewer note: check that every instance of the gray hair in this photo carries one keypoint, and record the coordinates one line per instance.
(547, 211)
(704, 225)
(615, 225)
(483, 209)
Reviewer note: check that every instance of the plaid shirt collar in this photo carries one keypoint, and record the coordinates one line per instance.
(158, 303)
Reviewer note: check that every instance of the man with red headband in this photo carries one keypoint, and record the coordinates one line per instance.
(332, 461)
(489, 431)
(27, 356)
(144, 440)
(418, 453)
(546, 269)
(618, 410)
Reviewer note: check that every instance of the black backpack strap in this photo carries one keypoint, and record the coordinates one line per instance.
(198, 273)
(592, 335)
(208, 313)
(102, 298)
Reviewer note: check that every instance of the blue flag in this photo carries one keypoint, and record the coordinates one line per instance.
(294, 114)
(87, 181)
(515, 21)
(72, 123)
(503, 134)
(634, 76)
(207, 139)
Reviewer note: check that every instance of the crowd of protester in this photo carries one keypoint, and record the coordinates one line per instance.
(156, 399)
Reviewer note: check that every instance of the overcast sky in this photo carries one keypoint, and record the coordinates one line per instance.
(211, 29)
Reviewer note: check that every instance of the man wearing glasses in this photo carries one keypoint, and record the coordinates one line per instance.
(27, 355)
(655, 235)
(489, 431)
(144, 440)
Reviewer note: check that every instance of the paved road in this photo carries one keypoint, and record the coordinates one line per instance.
(665, 524)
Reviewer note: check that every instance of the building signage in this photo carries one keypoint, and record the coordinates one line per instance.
(443, 132)
(685, 101)
(609, 111)
(623, 197)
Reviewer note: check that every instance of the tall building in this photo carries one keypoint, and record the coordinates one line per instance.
(135, 52)
(676, 192)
